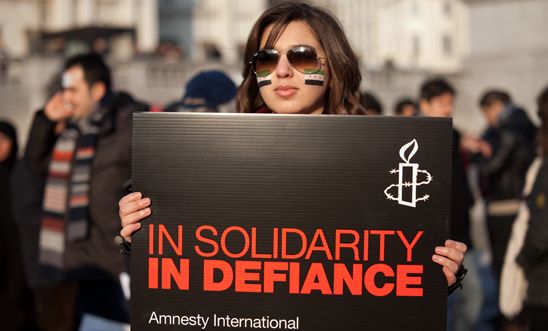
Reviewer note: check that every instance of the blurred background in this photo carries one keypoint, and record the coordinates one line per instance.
(154, 46)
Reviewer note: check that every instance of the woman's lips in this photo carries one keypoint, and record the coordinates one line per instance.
(285, 91)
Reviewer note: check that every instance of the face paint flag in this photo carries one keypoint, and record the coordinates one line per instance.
(264, 78)
(314, 77)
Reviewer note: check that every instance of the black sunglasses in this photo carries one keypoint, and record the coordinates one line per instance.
(303, 58)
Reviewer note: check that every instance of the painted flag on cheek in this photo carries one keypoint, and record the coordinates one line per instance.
(314, 77)
(264, 79)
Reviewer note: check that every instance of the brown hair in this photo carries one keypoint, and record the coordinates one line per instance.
(542, 104)
(343, 93)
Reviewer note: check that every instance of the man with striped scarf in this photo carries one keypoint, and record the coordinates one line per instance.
(80, 144)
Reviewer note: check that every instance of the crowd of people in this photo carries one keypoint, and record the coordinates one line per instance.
(63, 201)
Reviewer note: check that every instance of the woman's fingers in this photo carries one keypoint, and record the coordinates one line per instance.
(450, 257)
(461, 247)
(128, 230)
(453, 254)
(449, 267)
(133, 208)
(127, 199)
(132, 203)
(446, 262)
(135, 217)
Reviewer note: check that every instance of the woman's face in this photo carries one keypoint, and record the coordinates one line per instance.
(291, 91)
(5, 147)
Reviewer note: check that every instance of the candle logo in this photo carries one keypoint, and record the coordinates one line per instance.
(408, 178)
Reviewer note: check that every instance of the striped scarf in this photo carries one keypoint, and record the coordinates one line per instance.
(66, 197)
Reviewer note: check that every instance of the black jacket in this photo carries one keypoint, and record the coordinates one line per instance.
(533, 256)
(95, 257)
(514, 148)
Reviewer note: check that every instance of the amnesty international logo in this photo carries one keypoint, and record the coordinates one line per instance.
(408, 178)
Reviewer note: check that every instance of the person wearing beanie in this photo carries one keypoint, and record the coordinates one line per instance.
(207, 91)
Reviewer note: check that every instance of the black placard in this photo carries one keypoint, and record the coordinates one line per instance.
(283, 222)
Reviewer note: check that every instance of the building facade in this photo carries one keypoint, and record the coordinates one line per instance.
(25, 25)
(427, 35)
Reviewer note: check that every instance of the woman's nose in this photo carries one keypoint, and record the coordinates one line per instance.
(284, 69)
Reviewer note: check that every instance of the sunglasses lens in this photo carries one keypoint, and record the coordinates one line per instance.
(265, 62)
(304, 59)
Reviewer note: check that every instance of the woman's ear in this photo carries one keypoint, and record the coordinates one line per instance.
(98, 91)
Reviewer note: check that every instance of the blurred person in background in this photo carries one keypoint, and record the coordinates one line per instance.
(16, 307)
(79, 144)
(511, 138)
(436, 99)
(533, 256)
(371, 104)
(406, 107)
(207, 91)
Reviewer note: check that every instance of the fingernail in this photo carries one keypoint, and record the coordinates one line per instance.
(145, 211)
(435, 258)
(441, 250)
(136, 195)
(144, 202)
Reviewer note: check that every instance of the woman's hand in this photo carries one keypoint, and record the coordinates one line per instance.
(450, 257)
(133, 208)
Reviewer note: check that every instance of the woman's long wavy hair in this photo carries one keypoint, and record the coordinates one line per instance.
(343, 93)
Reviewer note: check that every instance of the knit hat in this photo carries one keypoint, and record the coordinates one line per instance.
(209, 89)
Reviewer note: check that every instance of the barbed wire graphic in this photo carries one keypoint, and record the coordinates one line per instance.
(428, 180)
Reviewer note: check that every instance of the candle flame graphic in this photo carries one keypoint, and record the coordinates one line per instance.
(413, 143)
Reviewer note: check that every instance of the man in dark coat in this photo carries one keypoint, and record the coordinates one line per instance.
(511, 135)
(80, 144)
